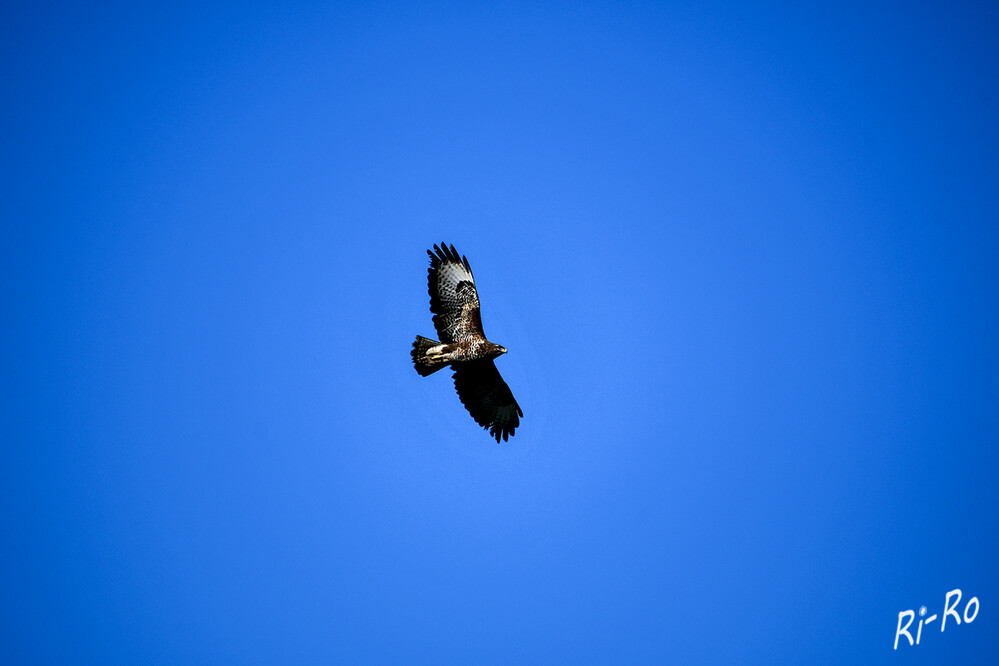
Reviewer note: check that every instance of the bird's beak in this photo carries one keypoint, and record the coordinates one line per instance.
(502, 350)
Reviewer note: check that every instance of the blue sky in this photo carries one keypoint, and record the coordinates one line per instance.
(744, 260)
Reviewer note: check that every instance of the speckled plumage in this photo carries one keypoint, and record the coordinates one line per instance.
(454, 303)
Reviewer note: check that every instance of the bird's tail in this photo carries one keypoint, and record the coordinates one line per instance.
(426, 364)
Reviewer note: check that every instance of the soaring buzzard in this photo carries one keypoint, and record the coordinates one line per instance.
(463, 345)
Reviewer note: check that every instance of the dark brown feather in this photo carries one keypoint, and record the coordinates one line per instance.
(487, 397)
(454, 300)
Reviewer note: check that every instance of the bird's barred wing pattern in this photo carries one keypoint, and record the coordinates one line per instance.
(487, 397)
(453, 298)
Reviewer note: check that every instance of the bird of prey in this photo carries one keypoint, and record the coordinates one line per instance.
(454, 303)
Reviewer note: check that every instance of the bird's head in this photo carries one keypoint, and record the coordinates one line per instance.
(494, 350)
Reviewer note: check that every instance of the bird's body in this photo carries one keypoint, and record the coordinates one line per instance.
(454, 303)
(435, 355)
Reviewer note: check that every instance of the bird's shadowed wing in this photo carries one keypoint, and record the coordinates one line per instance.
(487, 397)
(453, 298)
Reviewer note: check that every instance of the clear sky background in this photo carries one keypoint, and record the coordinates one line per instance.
(744, 260)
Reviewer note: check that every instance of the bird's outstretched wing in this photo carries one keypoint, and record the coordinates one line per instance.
(487, 397)
(453, 298)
